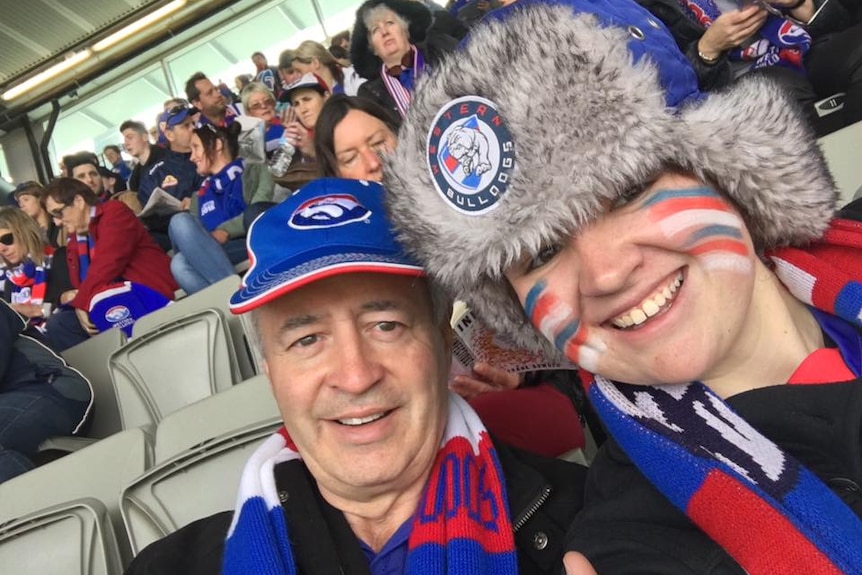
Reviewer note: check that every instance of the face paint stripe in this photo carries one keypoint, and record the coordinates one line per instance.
(671, 207)
(665, 195)
(706, 232)
(682, 221)
(569, 331)
(532, 298)
(730, 246)
(725, 261)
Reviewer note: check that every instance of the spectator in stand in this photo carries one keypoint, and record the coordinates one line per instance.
(107, 245)
(392, 43)
(341, 40)
(210, 101)
(84, 166)
(258, 101)
(40, 396)
(286, 72)
(28, 195)
(265, 74)
(307, 96)
(313, 58)
(681, 249)
(118, 164)
(32, 285)
(241, 81)
(209, 239)
(531, 412)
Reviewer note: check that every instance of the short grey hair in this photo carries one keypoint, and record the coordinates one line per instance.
(254, 88)
(374, 15)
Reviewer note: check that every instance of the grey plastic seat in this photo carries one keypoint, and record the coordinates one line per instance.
(74, 538)
(172, 366)
(99, 471)
(215, 296)
(206, 443)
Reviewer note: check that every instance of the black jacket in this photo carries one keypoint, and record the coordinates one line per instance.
(628, 527)
(544, 496)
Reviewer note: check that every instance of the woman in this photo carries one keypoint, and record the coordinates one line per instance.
(715, 303)
(258, 101)
(313, 58)
(30, 287)
(352, 134)
(209, 239)
(392, 43)
(29, 198)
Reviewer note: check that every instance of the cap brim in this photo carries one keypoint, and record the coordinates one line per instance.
(278, 283)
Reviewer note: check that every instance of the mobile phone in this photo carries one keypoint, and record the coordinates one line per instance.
(766, 6)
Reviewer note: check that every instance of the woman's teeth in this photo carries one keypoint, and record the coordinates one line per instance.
(661, 299)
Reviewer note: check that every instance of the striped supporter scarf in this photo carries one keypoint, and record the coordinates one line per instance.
(765, 509)
(462, 524)
(401, 88)
(780, 43)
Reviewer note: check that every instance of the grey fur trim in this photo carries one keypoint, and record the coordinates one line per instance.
(588, 126)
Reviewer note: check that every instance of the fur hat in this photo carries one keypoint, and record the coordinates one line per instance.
(571, 118)
(364, 61)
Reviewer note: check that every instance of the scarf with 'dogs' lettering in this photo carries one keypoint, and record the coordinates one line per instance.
(763, 507)
(462, 524)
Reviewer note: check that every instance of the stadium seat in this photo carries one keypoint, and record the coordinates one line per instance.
(215, 296)
(91, 359)
(841, 150)
(74, 538)
(173, 365)
(100, 471)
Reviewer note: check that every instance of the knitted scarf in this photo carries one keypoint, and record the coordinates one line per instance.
(781, 42)
(28, 281)
(462, 524)
(765, 509)
(401, 88)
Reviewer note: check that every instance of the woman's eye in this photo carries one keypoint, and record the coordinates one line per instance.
(629, 196)
(346, 161)
(545, 255)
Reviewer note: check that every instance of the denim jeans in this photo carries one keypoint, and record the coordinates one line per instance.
(199, 260)
(29, 415)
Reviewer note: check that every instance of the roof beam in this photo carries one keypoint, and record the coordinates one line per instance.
(71, 16)
(288, 15)
(25, 41)
(222, 51)
(94, 117)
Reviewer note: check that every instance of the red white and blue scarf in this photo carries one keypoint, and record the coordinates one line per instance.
(401, 88)
(763, 507)
(462, 524)
(29, 281)
(781, 42)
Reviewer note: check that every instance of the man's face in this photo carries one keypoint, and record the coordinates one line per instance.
(89, 174)
(180, 136)
(359, 369)
(308, 102)
(211, 102)
(259, 62)
(75, 218)
(112, 156)
(134, 142)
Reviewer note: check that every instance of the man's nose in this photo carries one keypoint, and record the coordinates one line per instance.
(357, 368)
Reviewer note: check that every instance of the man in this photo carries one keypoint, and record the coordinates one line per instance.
(617, 218)
(115, 159)
(84, 167)
(264, 73)
(209, 100)
(386, 470)
(106, 245)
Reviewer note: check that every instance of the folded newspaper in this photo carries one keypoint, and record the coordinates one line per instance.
(161, 203)
(475, 342)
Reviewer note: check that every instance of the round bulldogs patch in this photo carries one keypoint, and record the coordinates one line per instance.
(328, 212)
(470, 154)
(117, 313)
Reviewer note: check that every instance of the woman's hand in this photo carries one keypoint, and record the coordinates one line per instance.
(220, 236)
(84, 320)
(297, 135)
(186, 203)
(486, 378)
(730, 30)
(27, 309)
(576, 564)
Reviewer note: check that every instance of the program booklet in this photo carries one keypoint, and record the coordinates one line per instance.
(161, 203)
(474, 342)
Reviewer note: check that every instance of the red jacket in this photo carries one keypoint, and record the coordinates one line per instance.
(123, 251)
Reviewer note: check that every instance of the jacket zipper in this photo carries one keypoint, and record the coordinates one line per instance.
(532, 509)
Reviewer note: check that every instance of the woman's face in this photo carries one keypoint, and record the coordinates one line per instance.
(30, 205)
(199, 157)
(11, 250)
(301, 67)
(359, 139)
(261, 105)
(658, 289)
(308, 102)
(389, 38)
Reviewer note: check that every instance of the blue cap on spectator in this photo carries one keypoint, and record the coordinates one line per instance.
(177, 115)
(329, 227)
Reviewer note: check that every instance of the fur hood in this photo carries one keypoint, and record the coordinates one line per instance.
(363, 59)
(587, 124)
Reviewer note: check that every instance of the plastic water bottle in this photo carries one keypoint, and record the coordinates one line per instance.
(281, 158)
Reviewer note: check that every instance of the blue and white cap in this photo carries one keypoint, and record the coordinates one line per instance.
(329, 227)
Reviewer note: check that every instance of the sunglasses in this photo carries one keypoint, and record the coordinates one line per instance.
(7, 239)
(58, 214)
(268, 103)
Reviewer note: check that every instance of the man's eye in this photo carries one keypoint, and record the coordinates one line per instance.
(388, 326)
(305, 341)
(545, 255)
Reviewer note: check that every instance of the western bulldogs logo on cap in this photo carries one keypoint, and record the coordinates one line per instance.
(117, 313)
(327, 212)
(470, 154)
